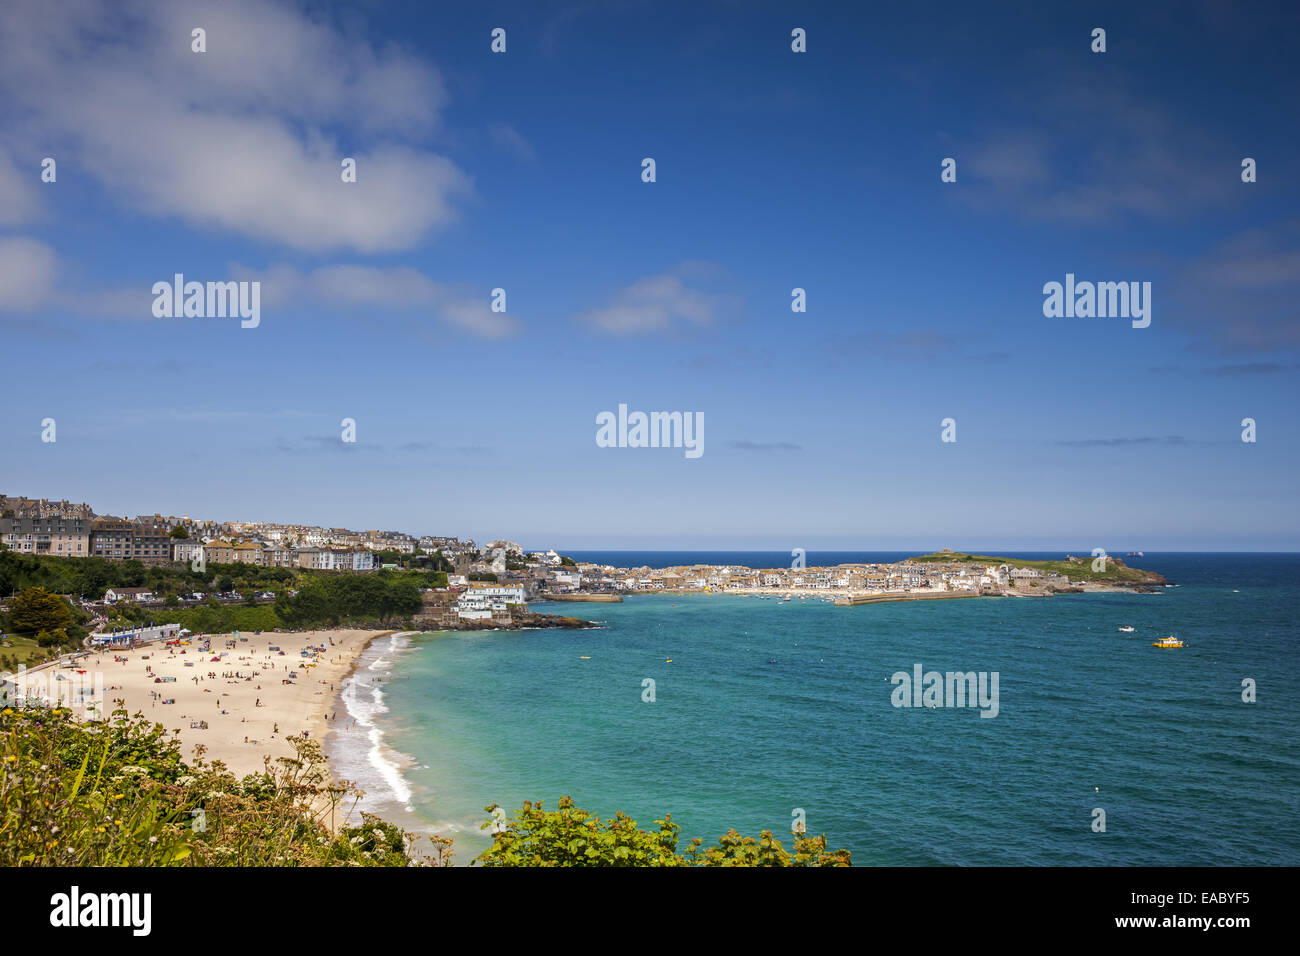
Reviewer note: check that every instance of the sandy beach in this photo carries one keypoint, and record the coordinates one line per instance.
(259, 689)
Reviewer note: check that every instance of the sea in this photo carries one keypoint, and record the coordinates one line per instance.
(748, 713)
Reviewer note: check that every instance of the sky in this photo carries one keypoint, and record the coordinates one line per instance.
(774, 170)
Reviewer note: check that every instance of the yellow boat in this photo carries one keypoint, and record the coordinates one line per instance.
(1169, 641)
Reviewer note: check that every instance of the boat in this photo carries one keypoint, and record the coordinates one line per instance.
(1127, 629)
(1169, 641)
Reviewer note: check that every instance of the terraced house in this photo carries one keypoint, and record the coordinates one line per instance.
(247, 552)
(63, 537)
(218, 552)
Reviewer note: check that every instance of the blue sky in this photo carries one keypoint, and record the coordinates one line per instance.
(775, 170)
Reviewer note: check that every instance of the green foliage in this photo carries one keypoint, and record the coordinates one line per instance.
(218, 618)
(324, 597)
(91, 577)
(569, 836)
(36, 609)
(55, 638)
(179, 532)
(369, 597)
(116, 793)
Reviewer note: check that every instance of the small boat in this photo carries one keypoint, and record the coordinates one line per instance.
(1127, 629)
(1169, 641)
(584, 657)
(669, 661)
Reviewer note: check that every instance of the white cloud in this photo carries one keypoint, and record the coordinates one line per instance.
(396, 289)
(652, 304)
(19, 200)
(506, 136)
(27, 272)
(246, 137)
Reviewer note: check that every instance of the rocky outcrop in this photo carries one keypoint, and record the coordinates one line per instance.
(517, 620)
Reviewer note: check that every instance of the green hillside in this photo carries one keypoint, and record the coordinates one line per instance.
(1116, 571)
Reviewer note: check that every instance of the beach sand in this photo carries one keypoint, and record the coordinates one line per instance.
(257, 706)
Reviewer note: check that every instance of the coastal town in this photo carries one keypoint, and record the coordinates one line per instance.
(490, 585)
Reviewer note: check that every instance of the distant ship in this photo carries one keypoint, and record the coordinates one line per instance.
(1127, 629)
(1169, 641)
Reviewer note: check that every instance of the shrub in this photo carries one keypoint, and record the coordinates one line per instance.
(117, 793)
(569, 836)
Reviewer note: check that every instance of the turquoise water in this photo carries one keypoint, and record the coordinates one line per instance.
(1187, 773)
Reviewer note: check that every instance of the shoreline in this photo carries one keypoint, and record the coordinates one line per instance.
(378, 761)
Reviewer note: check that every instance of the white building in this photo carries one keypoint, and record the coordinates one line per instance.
(113, 595)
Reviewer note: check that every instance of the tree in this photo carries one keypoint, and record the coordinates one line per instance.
(179, 532)
(52, 638)
(36, 609)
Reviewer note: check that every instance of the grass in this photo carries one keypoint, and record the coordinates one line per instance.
(24, 651)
